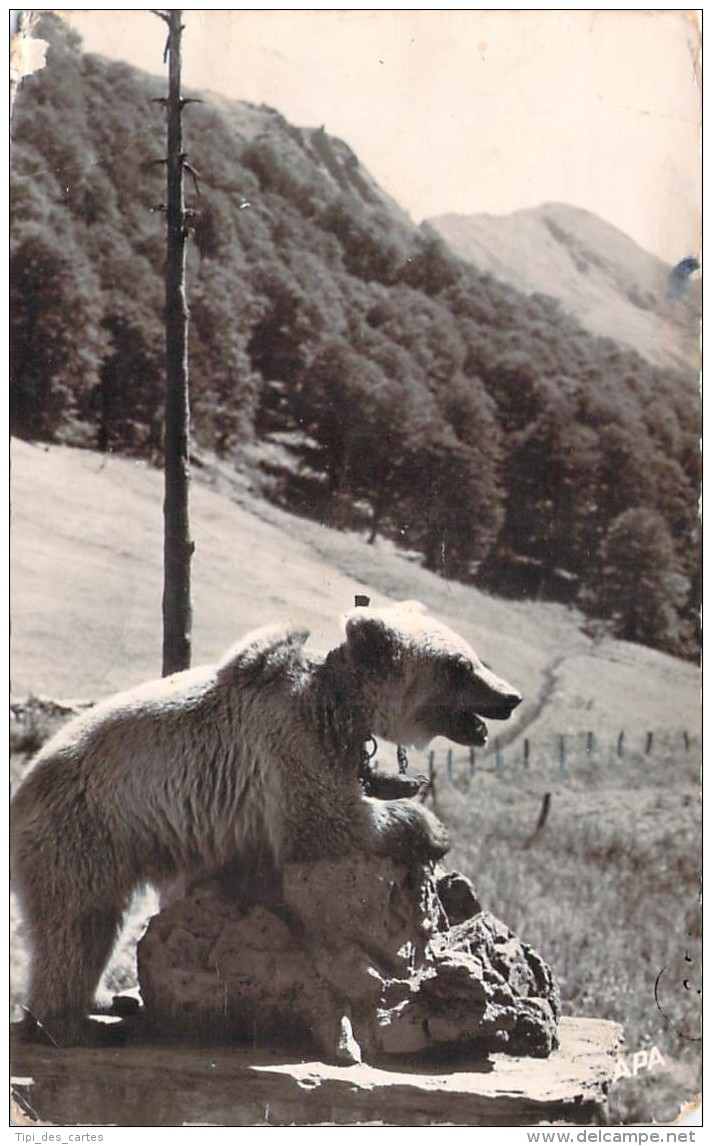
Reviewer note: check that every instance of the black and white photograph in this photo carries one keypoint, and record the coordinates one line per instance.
(354, 460)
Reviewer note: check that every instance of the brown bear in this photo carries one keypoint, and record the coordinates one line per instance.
(257, 754)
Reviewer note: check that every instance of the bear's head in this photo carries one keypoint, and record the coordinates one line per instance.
(422, 679)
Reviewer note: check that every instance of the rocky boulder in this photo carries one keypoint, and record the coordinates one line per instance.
(358, 958)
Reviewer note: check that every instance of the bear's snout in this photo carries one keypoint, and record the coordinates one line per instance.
(490, 695)
(501, 708)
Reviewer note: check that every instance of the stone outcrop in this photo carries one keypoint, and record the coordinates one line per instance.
(357, 959)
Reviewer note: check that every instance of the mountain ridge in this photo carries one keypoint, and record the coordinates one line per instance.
(599, 274)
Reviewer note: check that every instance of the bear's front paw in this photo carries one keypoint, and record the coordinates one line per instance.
(436, 838)
(410, 833)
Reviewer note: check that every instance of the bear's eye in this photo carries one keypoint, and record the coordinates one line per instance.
(458, 674)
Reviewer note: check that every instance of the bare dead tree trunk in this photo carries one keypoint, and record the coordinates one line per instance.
(177, 546)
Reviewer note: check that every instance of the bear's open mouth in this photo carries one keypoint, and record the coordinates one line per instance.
(465, 726)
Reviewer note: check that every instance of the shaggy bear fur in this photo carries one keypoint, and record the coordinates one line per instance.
(257, 754)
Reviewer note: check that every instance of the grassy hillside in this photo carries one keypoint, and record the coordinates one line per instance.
(607, 891)
(87, 543)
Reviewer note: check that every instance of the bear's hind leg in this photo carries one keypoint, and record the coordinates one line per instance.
(69, 955)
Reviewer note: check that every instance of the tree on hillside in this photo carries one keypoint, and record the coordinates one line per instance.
(390, 428)
(626, 468)
(431, 268)
(513, 382)
(224, 387)
(127, 401)
(641, 589)
(55, 342)
(332, 404)
(282, 340)
(455, 504)
(552, 507)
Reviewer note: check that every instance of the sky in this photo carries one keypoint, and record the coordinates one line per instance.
(466, 110)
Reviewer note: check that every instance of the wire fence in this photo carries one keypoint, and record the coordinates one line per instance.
(558, 753)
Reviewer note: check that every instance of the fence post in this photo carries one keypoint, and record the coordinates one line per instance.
(526, 751)
(686, 738)
(648, 743)
(449, 764)
(541, 821)
(589, 743)
(472, 762)
(498, 757)
(562, 754)
(621, 737)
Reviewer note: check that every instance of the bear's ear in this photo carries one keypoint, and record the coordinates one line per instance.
(369, 640)
(269, 648)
